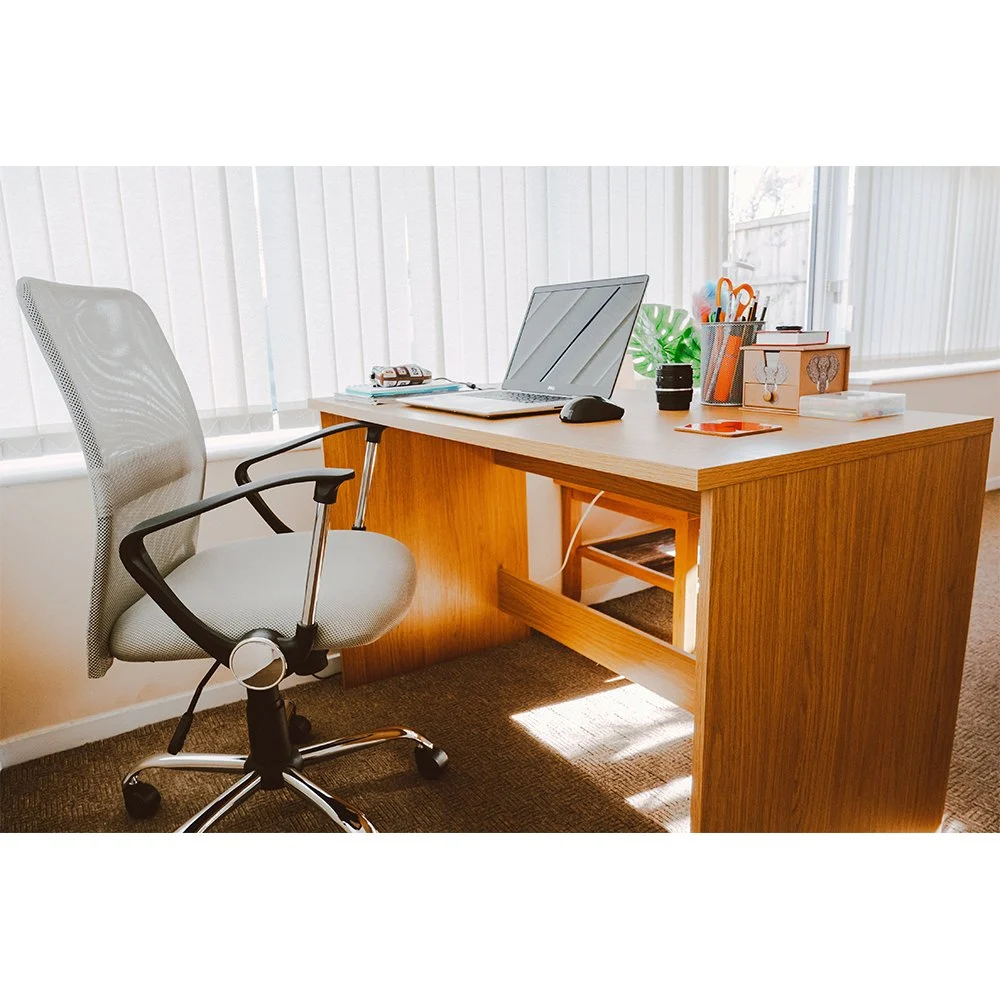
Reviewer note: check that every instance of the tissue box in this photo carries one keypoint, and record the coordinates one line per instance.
(776, 378)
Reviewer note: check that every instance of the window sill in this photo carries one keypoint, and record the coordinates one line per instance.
(50, 468)
(886, 376)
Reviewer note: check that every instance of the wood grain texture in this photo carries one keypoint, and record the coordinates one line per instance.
(643, 447)
(898, 438)
(652, 495)
(685, 612)
(569, 517)
(658, 512)
(462, 517)
(826, 685)
(621, 565)
(834, 608)
(642, 658)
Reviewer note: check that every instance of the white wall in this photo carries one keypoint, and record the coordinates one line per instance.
(545, 549)
(974, 393)
(46, 552)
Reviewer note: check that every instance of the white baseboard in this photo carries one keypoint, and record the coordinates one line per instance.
(993, 484)
(67, 735)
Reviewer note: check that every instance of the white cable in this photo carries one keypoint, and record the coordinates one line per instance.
(569, 548)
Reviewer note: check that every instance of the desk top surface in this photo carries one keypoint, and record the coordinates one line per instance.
(644, 445)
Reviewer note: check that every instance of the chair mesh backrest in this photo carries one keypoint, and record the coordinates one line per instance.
(137, 424)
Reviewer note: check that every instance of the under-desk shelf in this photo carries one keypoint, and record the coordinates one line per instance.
(647, 555)
(663, 554)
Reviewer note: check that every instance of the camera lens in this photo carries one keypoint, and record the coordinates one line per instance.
(674, 384)
(674, 376)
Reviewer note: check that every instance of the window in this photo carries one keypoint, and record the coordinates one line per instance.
(184, 238)
(276, 284)
(770, 224)
(924, 263)
(368, 265)
(902, 263)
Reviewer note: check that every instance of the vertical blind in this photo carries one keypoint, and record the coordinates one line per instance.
(184, 238)
(275, 284)
(925, 263)
(369, 265)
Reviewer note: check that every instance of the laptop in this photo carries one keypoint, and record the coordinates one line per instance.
(572, 342)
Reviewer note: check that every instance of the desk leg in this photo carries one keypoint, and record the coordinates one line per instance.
(685, 581)
(572, 575)
(833, 612)
(463, 518)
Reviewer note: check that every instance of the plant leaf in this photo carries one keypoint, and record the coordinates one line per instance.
(663, 334)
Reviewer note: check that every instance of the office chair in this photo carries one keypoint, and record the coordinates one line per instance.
(256, 606)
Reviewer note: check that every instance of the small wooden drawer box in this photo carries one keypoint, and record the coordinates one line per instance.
(775, 378)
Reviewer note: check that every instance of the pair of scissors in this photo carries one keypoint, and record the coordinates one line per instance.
(734, 296)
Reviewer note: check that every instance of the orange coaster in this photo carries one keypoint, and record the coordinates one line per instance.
(728, 428)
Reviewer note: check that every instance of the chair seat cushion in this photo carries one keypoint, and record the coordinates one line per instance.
(367, 584)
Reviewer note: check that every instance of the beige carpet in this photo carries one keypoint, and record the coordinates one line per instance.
(973, 802)
(540, 739)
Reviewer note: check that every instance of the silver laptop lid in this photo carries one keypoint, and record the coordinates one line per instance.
(574, 336)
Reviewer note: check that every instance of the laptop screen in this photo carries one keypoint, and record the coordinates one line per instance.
(574, 336)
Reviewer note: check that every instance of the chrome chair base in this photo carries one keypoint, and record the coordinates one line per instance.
(431, 760)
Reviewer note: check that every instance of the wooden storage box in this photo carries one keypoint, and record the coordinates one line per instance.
(775, 378)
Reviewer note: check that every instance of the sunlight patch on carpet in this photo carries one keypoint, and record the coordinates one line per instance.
(952, 824)
(673, 799)
(628, 740)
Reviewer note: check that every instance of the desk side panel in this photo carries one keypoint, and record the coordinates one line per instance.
(463, 518)
(834, 610)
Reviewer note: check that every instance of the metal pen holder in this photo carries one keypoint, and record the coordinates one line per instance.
(722, 360)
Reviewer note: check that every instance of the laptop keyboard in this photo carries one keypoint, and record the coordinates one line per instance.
(510, 396)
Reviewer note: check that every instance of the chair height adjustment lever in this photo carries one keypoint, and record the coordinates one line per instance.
(180, 733)
(184, 723)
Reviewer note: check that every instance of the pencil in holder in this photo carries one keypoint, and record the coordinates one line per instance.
(722, 360)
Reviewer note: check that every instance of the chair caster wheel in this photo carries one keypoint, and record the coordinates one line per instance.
(299, 728)
(430, 763)
(141, 800)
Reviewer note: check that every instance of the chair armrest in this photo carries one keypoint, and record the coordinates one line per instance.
(243, 476)
(143, 570)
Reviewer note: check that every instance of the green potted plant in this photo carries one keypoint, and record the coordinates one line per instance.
(664, 335)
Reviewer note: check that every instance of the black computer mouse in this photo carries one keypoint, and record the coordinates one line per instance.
(590, 409)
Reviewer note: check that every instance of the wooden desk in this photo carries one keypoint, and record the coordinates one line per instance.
(836, 572)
